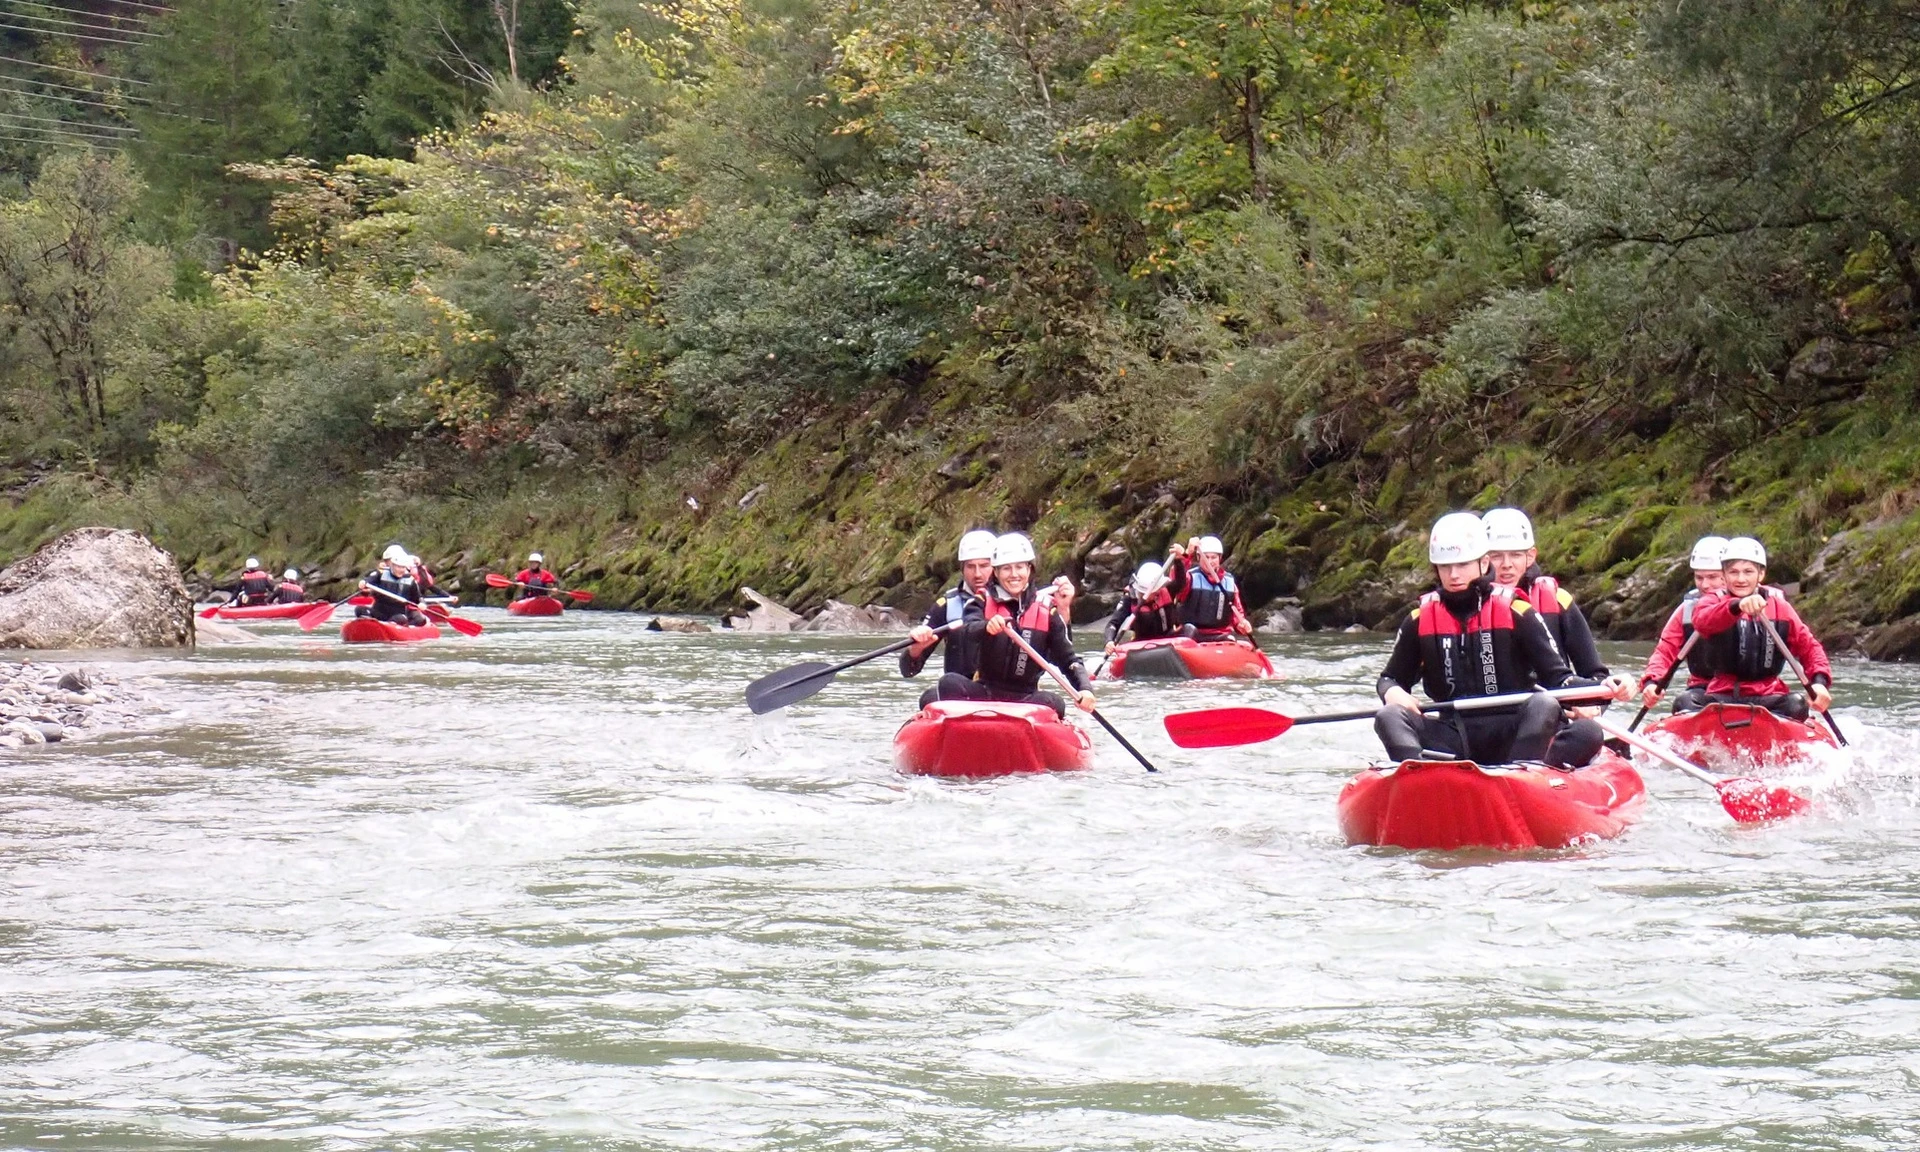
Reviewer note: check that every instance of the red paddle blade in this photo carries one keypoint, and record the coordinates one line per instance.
(1225, 727)
(207, 612)
(459, 624)
(495, 580)
(314, 617)
(581, 597)
(360, 601)
(1753, 801)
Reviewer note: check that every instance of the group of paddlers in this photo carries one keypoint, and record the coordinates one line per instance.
(396, 588)
(997, 626)
(1495, 624)
(258, 587)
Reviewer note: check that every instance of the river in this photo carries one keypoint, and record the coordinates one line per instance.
(556, 888)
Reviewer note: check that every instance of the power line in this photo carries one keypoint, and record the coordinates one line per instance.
(57, 133)
(41, 141)
(94, 36)
(38, 84)
(74, 23)
(76, 71)
(73, 124)
(54, 95)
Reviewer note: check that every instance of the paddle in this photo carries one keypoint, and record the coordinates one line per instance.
(1061, 678)
(322, 612)
(1226, 727)
(433, 611)
(791, 685)
(495, 580)
(1794, 663)
(1679, 658)
(1746, 799)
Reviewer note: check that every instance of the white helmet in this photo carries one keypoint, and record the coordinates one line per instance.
(1013, 548)
(394, 554)
(1508, 530)
(536, 558)
(1744, 548)
(1708, 551)
(1212, 544)
(290, 574)
(1457, 538)
(253, 561)
(977, 545)
(1148, 576)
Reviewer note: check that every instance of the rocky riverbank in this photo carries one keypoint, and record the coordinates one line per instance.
(48, 703)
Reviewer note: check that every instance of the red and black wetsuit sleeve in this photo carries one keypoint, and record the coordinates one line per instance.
(1060, 653)
(1122, 612)
(1666, 653)
(936, 618)
(1403, 666)
(1582, 652)
(1537, 647)
(1178, 584)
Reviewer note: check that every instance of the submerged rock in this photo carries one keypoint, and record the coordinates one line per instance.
(676, 624)
(95, 588)
(839, 617)
(1282, 617)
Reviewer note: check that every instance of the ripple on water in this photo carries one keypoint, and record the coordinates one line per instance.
(554, 887)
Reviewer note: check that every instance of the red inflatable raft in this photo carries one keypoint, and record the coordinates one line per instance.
(1457, 804)
(949, 738)
(1178, 658)
(1740, 735)
(363, 631)
(264, 612)
(536, 606)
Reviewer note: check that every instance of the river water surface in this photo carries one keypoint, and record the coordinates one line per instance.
(557, 888)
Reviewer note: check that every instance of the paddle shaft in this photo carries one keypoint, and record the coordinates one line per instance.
(1654, 750)
(1061, 679)
(897, 645)
(1793, 662)
(1679, 658)
(1469, 704)
(430, 611)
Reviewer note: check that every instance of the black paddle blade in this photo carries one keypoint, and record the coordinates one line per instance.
(788, 686)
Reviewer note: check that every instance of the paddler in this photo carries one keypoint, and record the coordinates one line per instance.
(1208, 595)
(1469, 637)
(1705, 560)
(1514, 562)
(535, 579)
(256, 584)
(961, 656)
(1146, 609)
(1746, 662)
(289, 591)
(394, 576)
(1006, 673)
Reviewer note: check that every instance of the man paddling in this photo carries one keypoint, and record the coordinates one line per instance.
(1208, 595)
(961, 656)
(535, 579)
(1708, 552)
(1470, 637)
(1514, 562)
(289, 590)
(1006, 673)
(1147, 609)
(256, 584)
(394, 576)
(1746, 662)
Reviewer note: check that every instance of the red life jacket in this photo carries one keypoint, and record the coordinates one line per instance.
(1005, 664)
(1476, 658)
(256, 587)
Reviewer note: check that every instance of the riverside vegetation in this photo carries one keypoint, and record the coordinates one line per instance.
(788, 293)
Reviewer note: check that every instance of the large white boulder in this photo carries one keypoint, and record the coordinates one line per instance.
(95, 588)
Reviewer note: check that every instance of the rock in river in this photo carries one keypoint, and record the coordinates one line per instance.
(95, 588)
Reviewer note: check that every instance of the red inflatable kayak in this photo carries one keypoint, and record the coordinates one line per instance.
(1740, 735)
(1178, 658)
(264, 612)
(536, 606)
(1457, 804)
(949, 738)
(363, 631)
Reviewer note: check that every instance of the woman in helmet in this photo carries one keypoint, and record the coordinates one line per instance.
(1146, 609)
(1468, 638)
(961, 656)
(1746, 662)
(536, 579)
(1006, 673)
(256, 584)
(394, 576)
(289, 590)
(1208, 595)
(1707, 579)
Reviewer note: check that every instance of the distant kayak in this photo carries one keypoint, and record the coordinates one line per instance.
(536, 606)
(1450, 804)
(949, 738)
(365, 631)
(265, 611)
(1178, 658)
(1731, 736)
